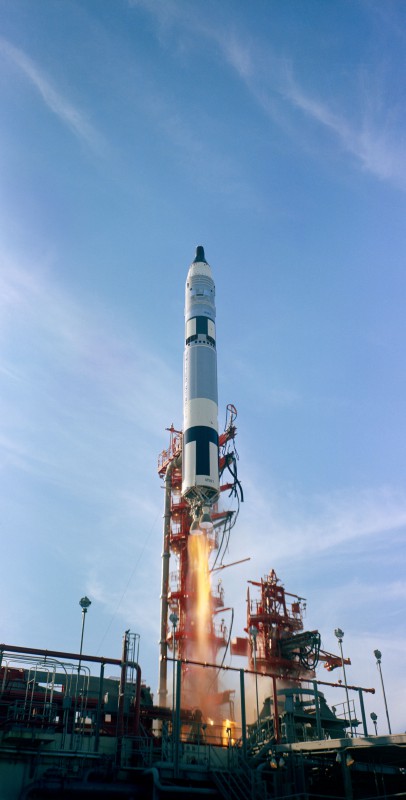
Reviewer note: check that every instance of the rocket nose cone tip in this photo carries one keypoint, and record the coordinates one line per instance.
(199, 255)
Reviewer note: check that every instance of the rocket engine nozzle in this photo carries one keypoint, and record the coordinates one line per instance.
(205, 520)
(202, 522)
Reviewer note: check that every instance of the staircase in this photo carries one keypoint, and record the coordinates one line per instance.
(241, 784)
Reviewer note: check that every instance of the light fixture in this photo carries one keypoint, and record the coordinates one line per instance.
(174, 619)
(349, 760)
(273, 763)
(84, 603)
(374, 718)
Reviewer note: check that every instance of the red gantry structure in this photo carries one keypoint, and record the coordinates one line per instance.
(179, 590)
(276, 635)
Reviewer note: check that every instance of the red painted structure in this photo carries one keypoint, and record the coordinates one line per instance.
(179, 588)
(275, 631)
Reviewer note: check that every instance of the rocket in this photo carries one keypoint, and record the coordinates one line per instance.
(200, 455)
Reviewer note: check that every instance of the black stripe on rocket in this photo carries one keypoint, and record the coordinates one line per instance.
(202, 329)
(202, 435)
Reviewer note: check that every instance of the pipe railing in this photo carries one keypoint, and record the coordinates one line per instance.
(68, 656)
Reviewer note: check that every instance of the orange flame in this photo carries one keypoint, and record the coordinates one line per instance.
(198, 552)
(228, 732)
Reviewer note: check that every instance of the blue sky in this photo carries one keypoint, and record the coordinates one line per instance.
(273, 134)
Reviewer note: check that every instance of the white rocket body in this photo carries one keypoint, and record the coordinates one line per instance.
(200, 478)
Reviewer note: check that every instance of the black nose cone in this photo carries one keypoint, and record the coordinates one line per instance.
(199, 255)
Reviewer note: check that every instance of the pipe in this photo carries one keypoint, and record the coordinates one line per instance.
(163, 645)
(34, 651)
(172, 789)
(317, 706)
(275, 710)
(364, 719)
(121, 694)
(92, 790)
(339, 685)
(99, 707)
(243, 715)
(52, 754)
(137, 709)
(265, 674)
(176, 732)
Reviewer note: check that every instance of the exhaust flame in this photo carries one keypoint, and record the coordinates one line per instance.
(200, 691)
(200, 684)
(200, 594)
(228, 732)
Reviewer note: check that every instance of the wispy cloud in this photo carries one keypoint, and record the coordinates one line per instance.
(238, 54)
(375, 144)
(80, 420)
(77, 372)
(321, 547)
(66, 112)
(375, 140)
(370, 135)
(205, 160)
(317, 525)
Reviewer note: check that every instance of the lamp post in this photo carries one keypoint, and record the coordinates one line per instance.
(378, 656)
(374, 718)
(340, 634)
(84, 603)
(174, 619)
(253, 632)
